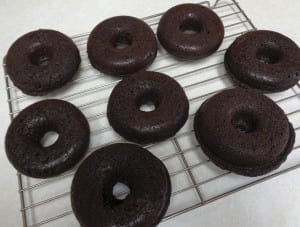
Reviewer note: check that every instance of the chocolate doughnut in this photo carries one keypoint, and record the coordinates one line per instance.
(41, 61)
(23, 138)
(121, 45)
(168, 97)
(243, 131)
(92, 196)
(264, 60)
(190, 31)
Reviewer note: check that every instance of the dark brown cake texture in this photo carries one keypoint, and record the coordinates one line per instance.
(23, 138)
(190, 31)
(264, 60)
(92, 196)
(243, 131)
(42, 61)
(168, 97)
(121, 45)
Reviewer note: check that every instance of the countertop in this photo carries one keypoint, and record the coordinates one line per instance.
(273, 203)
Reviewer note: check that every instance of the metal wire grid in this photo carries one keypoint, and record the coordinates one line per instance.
(195, 180)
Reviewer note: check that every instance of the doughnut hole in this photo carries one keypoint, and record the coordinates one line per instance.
(244, 122)
(49, 138)
(41, 56)
(120, 191)
(268, 55)
(115, 193)
(122, 41)
(148, 102)
(190, 26)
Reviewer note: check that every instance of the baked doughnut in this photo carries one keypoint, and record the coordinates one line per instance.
(243, 131)
(41, 61)
(190, 31)
(23, 138)
(264, 60)
(121, 45)
(92, 198)
(167, 96)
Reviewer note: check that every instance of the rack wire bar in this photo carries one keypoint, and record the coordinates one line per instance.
(200, 80)
(187, 168)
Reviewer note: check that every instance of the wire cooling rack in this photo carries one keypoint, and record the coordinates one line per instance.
(195, 180)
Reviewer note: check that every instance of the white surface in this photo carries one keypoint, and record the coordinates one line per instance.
(274, 203)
